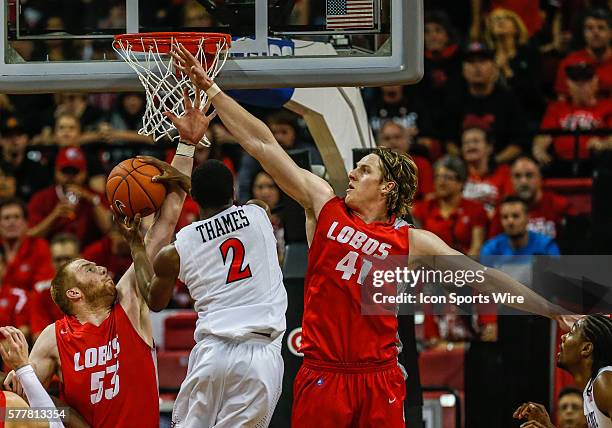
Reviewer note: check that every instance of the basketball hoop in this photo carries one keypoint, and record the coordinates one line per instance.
(164, 84)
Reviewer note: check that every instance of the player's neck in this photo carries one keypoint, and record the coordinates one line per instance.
(582, 373)
(94, 316)
(372, 215)
(211, 212)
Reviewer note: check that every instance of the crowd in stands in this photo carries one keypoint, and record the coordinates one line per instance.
(514, 92)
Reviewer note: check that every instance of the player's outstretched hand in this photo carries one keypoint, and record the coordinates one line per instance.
(130, 229)
(170, 175)
(533, 412)
(567, 321)
(13, 347)
(189, 65)
(192, 126)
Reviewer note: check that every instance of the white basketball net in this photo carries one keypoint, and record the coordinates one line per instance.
(164, 84)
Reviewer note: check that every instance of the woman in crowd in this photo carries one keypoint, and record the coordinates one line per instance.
(461, 223)
(487, 182)
(518, 62)
(265, 189)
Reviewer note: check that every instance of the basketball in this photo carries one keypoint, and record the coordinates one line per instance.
(130, 190)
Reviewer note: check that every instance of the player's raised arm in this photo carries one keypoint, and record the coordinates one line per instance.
(14, 351)
(602, 388)
(155, 284)
(425, 245)
(44, 358)
(254, 136)
(191, 127)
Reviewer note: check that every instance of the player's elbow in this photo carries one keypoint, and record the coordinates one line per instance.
(156, 305)
(158, 301)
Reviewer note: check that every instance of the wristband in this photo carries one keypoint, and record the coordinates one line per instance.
(212, 91)
(187, 150)
(24, 369)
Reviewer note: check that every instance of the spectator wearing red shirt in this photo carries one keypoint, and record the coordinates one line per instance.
(14, 308)
(28, 259)
(43, 310)
(583, 111)
(68, 206)
(487, 182)
(14, 304)
(459, 222)
(112, 252)
(597, 52)
(547, 210)
(397, 138)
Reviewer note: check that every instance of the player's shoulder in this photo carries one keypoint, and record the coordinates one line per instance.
(46, 344)
(13, 400)
(602, 390)
(335, 204)
(259, 207)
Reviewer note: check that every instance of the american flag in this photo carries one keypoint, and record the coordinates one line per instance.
(347, 14)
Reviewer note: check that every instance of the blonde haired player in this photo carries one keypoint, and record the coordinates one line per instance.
(350, 375)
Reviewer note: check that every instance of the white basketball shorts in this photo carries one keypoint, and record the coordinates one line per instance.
(230, 384)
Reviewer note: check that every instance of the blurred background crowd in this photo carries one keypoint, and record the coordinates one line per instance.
(513, 110)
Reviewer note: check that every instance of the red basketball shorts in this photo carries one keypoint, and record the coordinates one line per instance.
(326, 395)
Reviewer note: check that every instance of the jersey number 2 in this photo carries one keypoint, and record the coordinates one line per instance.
(236, 271)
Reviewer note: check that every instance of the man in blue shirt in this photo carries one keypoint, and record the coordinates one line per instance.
(517, 240)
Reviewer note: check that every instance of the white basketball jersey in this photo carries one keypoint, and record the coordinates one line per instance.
(230, 266)
(595, 418)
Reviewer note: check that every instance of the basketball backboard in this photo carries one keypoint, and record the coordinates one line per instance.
(49, 46)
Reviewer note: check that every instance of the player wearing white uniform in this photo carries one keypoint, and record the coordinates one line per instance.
(594, 415)
(586, 352)
(229, 263)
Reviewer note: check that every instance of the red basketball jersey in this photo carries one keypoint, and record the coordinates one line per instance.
(2, 409)
(109, 373)
(341, 256)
